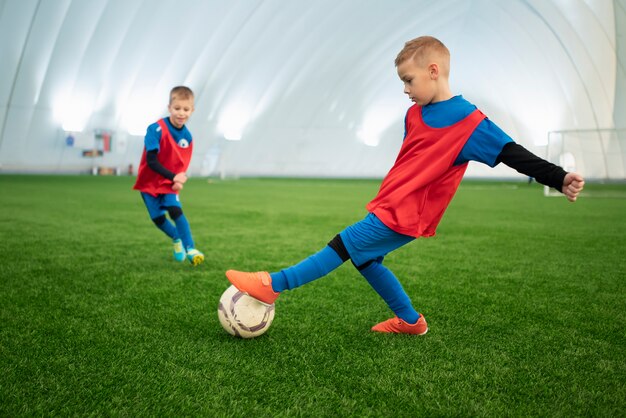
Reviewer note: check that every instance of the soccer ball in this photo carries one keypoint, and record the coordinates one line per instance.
(242, 315)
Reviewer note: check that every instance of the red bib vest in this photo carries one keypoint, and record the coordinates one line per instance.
(420, 185)
(171, 156)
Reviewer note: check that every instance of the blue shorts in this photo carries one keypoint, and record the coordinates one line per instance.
(157, 205)
(370, 239)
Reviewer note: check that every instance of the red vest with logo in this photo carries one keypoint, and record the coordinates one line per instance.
(420, 185)
(171, 156)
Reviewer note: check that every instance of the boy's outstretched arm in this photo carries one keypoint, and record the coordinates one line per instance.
(546, 173)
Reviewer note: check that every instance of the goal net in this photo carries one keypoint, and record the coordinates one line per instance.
(598, 154)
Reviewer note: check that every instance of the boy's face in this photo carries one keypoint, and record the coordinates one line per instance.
(180, 110)
(420, 82)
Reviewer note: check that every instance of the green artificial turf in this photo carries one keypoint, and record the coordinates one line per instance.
(525, 297)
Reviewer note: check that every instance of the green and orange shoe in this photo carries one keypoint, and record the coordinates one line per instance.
(194, 256)
(398, 326)
(258, 285)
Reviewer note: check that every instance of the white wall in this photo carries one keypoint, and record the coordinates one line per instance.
(306, 83)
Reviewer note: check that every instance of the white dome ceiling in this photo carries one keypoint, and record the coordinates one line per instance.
(309, 86)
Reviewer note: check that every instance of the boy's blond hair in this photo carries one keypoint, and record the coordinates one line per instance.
(424, 49)
(181, 93)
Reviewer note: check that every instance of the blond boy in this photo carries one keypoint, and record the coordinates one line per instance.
(443, 132)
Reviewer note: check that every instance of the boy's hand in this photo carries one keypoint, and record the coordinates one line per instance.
(177, 186)
(572, 185)
(180, 178)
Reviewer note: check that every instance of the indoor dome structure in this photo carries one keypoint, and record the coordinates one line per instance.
(295, 88)
(303, 253)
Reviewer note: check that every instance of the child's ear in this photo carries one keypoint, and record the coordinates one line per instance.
(433, 70)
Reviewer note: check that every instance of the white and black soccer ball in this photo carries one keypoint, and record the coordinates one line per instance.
(242, 315)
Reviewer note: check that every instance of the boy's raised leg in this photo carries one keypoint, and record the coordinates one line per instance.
(266, 287)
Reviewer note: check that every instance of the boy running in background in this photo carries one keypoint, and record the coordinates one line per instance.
(443, 132)
(167, 152)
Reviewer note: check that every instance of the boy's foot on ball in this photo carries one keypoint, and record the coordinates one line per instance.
(179, 251)
(398, 326)
(258, 285)
(194, 256)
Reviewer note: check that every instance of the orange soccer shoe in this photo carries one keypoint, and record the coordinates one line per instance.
(258, 285)
(398, 326)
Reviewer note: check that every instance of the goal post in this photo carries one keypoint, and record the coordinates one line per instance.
(598, 154)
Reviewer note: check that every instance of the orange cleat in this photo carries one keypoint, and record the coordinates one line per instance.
(258, 285)
(398, 326)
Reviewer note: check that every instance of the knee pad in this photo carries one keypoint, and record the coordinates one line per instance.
(339, 247)
(174, 212)
(158, 221)
(364, 265)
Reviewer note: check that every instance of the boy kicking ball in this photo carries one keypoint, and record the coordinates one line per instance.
(443, 132)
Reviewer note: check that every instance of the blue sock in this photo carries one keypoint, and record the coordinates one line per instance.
(182, 226)
(389, 288)
(309, 269)
(169, 229)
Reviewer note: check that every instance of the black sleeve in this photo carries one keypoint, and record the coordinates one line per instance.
(156, 166)
(525, 162)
